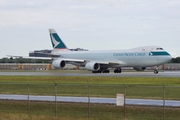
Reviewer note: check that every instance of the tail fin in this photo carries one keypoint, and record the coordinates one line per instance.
(57, 43)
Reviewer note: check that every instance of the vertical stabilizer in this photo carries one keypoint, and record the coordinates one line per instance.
(57, 43)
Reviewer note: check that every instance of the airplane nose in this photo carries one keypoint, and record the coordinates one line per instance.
(165, 59)
(169, 58)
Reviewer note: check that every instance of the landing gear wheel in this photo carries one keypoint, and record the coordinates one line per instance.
(155, 71)
(99, 71)
(106, 71)
(118, 70)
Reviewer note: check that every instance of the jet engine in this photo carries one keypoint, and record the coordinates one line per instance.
(58, 63)
(140, 68)
(93, 66)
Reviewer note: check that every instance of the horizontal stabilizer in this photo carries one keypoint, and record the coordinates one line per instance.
(27, 57)
(48, 54)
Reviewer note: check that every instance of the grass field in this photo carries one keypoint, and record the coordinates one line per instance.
(17, 110)
(136, 87)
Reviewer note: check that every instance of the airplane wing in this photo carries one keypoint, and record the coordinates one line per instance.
(48, 54)
(71, 60)
(49, 58)
(92, 65)
(86, 61)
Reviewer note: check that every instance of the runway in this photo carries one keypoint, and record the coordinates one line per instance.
(172, 103)
(123, 74)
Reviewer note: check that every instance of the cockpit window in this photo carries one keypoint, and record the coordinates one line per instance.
(159, 48)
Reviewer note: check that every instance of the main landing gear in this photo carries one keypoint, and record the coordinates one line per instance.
(117, 70)
(106, 71)
(101, 71)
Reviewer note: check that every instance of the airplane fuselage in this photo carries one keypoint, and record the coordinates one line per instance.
(132, 57)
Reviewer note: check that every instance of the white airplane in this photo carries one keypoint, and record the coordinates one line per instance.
(99, 61)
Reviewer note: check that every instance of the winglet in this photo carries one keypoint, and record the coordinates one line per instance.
(57, 43)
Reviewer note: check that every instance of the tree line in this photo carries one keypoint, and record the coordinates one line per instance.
(22, 60)
(175, 60)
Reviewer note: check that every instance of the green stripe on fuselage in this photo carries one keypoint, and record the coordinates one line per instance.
(160, 53)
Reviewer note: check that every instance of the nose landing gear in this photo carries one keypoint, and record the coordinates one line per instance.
(156, 70)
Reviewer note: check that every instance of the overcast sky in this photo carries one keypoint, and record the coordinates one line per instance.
(89, 24)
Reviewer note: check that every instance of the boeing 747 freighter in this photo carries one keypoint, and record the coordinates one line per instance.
(99, 61)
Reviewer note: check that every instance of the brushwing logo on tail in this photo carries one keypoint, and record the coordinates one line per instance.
(55, 43)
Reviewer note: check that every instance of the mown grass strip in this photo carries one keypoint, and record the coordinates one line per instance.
(137, 87)
(46, 110)
(92, 80)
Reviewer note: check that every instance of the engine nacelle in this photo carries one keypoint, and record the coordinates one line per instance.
(93, 66)
(58, 63)
(140, 68)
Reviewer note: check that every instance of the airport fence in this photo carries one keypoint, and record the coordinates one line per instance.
(53, 105)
